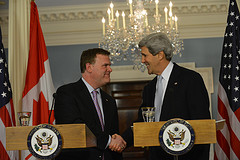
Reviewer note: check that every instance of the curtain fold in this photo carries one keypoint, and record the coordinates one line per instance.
(18, 47)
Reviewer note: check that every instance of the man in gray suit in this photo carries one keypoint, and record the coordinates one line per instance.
(183, 93)
(84, 102)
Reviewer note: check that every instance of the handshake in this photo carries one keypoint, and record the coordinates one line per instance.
(117, 143)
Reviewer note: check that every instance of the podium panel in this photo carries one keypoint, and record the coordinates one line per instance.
(147, 133)
(73, 136)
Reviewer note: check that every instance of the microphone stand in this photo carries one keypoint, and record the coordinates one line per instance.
(53, 103)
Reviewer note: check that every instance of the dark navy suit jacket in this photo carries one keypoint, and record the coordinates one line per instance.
(185, 97)
(74, 104)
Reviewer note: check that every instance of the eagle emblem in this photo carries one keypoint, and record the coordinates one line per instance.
(176, 138)
(43, 143)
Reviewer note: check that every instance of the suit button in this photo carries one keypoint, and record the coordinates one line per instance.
(100, 157)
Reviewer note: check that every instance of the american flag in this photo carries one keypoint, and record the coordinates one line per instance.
(228, 139)
(7, 115)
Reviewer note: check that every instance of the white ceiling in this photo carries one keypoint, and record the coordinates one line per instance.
(48, 3)
(68, 22)
(44, 3)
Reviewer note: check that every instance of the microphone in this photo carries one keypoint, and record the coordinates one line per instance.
(53, 103)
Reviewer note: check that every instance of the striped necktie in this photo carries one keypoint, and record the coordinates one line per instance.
(95, 100)
(158, 98)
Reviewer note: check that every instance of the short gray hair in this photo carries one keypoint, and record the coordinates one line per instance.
(157, 42)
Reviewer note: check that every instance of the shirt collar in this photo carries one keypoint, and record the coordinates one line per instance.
(167, 71)
(89, 87)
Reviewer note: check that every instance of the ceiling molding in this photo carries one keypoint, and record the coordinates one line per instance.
(81, 24)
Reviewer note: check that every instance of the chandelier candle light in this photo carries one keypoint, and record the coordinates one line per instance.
(122, 40)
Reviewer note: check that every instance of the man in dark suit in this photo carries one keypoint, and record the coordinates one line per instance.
(84, 102)
(183, 94)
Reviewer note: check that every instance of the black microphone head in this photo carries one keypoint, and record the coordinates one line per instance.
(55, 95)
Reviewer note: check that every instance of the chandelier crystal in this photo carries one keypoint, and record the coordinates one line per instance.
(122, 41)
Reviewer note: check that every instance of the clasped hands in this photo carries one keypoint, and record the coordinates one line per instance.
(117, 143)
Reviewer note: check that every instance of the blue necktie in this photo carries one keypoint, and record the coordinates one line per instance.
(95, 100)
(158, 98)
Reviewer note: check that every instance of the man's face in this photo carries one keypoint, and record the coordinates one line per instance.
(101, 70)
(149, 60)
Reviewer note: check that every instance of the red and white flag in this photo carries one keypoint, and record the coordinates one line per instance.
(7, 115)
(39, 89)
(228, 139)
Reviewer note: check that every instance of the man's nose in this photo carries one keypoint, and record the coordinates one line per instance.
(109, 69)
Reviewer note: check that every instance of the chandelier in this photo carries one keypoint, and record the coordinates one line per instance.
(121, 39)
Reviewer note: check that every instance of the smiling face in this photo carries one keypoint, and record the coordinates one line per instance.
(152, 62)
(100, 71)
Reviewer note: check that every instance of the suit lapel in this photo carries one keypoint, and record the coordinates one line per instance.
(88, 103)
(106, 108)
(172, 82)
(151, 92)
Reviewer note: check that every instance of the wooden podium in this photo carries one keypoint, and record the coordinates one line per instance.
(73, 136)
(147, 133)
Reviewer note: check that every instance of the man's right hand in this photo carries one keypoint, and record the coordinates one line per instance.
(117, 143)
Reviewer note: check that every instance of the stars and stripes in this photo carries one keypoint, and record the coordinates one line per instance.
(7, 115)
(228, 139)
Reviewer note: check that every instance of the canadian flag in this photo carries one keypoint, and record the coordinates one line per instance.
(39, 89)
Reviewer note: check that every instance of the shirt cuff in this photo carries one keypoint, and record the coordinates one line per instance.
(109, 141)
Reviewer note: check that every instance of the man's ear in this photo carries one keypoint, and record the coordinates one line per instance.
(161, 55)
(89, 67)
